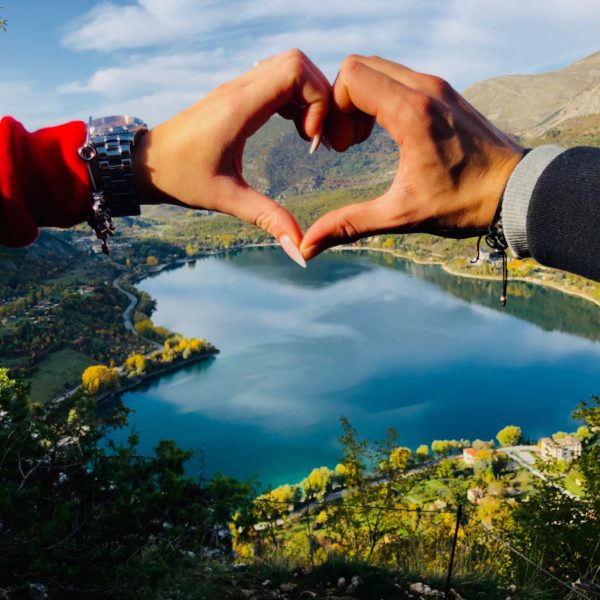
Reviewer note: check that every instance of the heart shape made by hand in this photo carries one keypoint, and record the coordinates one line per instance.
(453, 169)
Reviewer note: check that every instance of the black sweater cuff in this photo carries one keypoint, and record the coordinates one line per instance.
(563, 220)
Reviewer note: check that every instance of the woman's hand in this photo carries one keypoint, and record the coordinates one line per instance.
(454, 163)
(195, 158)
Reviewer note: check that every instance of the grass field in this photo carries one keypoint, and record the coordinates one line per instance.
(57, 372)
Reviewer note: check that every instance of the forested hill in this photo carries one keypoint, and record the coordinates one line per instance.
(277, 162)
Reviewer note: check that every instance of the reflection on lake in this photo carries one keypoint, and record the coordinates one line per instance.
(384, 342)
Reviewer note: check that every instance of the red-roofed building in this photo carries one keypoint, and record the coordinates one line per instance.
(470, 456)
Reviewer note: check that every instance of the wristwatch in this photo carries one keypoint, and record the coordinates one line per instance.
(108, 153)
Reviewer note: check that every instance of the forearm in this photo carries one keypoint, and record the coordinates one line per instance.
(551, 209)
(43, 182)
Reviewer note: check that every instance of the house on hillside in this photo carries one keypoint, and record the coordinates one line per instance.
(567, 448)
(487, 256)
(469, 456)
(475, 495)
(86, 289)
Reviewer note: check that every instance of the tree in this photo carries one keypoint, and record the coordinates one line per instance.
(99, 378)
(400, 458)
(584, 433)
(362, 523)
(445, 447)
(7, 385)
(316, 485)
(589, 462)
(136, 365)
(511, 435)
(447, 468)
(422, 452)
(81, 513)
(145, 328)
(152, 261)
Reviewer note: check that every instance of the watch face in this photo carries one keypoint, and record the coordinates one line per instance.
(115, 125)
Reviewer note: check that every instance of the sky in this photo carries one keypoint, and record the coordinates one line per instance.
(67, 59)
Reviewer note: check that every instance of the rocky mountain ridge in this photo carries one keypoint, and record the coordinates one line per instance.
(529, 105)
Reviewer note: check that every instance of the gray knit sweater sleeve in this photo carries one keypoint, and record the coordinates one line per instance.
(551, 209)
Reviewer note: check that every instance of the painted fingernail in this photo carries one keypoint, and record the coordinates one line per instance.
(292, 250)
(316, 141)
(325, 142)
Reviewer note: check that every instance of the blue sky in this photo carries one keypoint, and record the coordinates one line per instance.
(67, 59)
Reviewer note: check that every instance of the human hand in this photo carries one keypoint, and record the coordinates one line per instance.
(195, 158)
(454, 163)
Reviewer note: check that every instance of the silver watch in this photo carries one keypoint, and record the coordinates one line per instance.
(108, 154)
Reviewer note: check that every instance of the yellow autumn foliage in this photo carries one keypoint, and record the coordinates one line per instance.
(99, 378)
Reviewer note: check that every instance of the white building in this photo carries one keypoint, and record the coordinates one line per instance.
(567, 448)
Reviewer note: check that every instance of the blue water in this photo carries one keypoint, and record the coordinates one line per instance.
(379, 340)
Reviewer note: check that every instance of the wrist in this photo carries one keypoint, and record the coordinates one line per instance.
(147, 171)
(500, 176)
(145, 191)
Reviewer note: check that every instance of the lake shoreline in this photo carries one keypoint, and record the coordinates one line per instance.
(397, 254)
(458, 273)
(369, 337)
(170, 368)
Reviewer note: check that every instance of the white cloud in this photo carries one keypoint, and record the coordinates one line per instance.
(141, 74)
(157, 22)
(32, 106)
(187, 47)
(153, 57)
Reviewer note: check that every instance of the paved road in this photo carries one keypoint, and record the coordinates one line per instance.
(127, 312)
(128, 325)
(526, 457)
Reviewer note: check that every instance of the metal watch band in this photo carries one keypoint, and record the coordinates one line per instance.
(115, 173)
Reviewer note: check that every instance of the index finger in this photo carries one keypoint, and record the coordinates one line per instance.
(288, 77)
(359, 86)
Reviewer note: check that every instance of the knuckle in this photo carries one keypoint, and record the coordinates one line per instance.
(347, 229)
(440, 87)
(350, 64)
(268, 219)
(295, 56)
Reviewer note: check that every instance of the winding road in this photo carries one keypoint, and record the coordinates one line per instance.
(127, 312)
(525, 456)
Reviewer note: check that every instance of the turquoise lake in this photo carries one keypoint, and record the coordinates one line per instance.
(382, 341)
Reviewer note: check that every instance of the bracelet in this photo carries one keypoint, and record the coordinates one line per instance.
(495, 239)
(99, 218)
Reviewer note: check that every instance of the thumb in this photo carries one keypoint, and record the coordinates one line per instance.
(344, 225)
(244, 202)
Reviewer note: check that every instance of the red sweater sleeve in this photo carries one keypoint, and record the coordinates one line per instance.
(43, 181)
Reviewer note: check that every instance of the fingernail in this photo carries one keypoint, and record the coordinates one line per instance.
(315, 143)
(292, 250)
(325, 142)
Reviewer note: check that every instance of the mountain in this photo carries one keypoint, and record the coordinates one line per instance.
(277, 162)
(529, 105)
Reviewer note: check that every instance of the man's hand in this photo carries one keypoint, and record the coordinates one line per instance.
(195, 158)
(454, 163)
